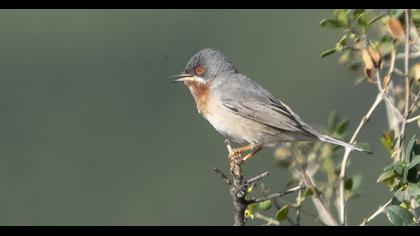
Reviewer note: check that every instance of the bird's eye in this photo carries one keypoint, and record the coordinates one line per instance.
(199, 70)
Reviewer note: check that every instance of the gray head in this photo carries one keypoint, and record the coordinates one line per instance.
(205, 66)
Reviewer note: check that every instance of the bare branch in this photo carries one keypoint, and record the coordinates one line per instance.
(413, 119)
(323, 212)
(412, 55)
(237, 191)
(384, 94)
(278, 194)
(406, 81)
(257, 178)
(365, 119)
(270, 221)
(416, 98)
(222, 175)
(238, 188)
(376, 213)
(298, 206)
(393, 113)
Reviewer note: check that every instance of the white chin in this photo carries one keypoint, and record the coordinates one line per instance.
(200, 80)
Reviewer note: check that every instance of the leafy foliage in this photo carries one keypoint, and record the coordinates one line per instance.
(369, 42)
(361, 52)
(403, 179)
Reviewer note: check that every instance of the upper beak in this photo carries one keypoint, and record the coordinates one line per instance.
(180, 77)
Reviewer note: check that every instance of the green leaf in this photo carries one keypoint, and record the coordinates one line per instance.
(343, 41)
(387, 140)
(398, 12)
(386, 45)
(385, 175)
(399, 216)
(342, 17)
(388, 167)
(265, 205)
(332, 121)
(415, 15)
(405, 174)
(399, 195)
(362, 21)
(330, 23)
(328, 52)
(355, 66)
(356, 181)
(250, 211)
(342, 126)
(328, 165)
(398, 168)
(282, 213)
(416, 148)
(413, 189)
(250, 189)
(366, 146)
(308, 192)
(414, 162)
(345, 56)
(348, 184)
(357, 13)
(354, 196)
(376, 19)
(409, 148)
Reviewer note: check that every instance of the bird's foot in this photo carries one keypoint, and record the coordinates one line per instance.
(235, 158)
(235, 162)
(235, 154)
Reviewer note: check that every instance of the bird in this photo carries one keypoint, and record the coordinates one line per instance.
(242, 110)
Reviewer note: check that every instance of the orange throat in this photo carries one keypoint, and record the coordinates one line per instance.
(201, 94)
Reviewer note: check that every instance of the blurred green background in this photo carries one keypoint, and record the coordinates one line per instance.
(92, 131)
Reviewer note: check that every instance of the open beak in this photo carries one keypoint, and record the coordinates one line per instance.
(180, 77)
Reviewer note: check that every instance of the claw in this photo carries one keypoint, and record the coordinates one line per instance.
(235, 154)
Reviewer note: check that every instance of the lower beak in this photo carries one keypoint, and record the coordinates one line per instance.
(180, 77)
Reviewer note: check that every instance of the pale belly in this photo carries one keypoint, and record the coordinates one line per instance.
(240, 129)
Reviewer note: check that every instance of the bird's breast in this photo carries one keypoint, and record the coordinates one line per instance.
(201, 94)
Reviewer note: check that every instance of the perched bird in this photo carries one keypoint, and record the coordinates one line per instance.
(242, 110)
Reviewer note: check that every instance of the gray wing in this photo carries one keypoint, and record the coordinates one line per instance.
(246, 98)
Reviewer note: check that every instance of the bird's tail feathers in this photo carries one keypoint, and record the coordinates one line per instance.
(332, 140)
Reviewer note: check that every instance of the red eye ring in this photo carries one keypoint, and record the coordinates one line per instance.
(199, 70)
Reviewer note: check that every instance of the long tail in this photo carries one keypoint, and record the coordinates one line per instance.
(328, 139)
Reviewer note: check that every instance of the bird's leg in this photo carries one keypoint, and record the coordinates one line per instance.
(238, 151)
(255, 151)
(235, 155)
(235, 161)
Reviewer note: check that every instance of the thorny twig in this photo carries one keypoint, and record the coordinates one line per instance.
(223, 176)
(278, 194)
(238, 188)
(257, 178)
